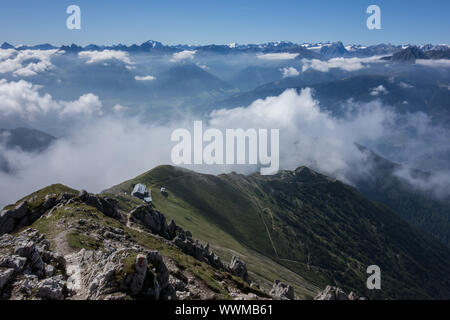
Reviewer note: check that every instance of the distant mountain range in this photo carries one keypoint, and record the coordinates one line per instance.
(305, 50)
(411, 54)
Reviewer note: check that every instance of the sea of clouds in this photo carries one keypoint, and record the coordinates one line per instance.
(100, 149)
(103, 151)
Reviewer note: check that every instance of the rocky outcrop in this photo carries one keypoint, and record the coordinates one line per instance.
(124, 269)
(51, 288)
(5, 277)
(156, 223)
(336, 293)
(30, 270)
(140, 268)
(27, 212)
(132, 272)
(105, 205)
(150, 219)
(24, 214)
(16, 218)
(238, 268)
(194, 248)
(17, 263)
(281, 291)
(162, 275)
(27, 249)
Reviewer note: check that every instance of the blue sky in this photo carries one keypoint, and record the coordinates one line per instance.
(223, 22)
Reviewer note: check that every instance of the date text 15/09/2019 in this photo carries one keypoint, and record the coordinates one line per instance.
(225, 309)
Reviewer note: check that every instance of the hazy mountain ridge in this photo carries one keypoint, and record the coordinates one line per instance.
(413, 53)
(23, 139)
(426, 210)
(29, 140)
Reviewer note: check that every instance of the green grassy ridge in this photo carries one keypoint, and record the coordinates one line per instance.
(341, 227)
(323, 230)
(261, 268)
(37, 198)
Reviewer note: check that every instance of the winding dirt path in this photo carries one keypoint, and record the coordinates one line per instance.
(74, 282)
(130, 225)
(73, 269)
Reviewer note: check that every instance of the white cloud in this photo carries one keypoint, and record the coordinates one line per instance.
(7, 53)
(379, 90)
(144, 78)
(290, 72)
(405, 85)
(346, 64)
(23, 63)
(440, 63)
(23, 98)
(94, 156)
(278, 56)
(105, 151)
(119, 108)
(86, 104)
(309, 135)
(105, 55)
(437, 183)
(183, 55)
